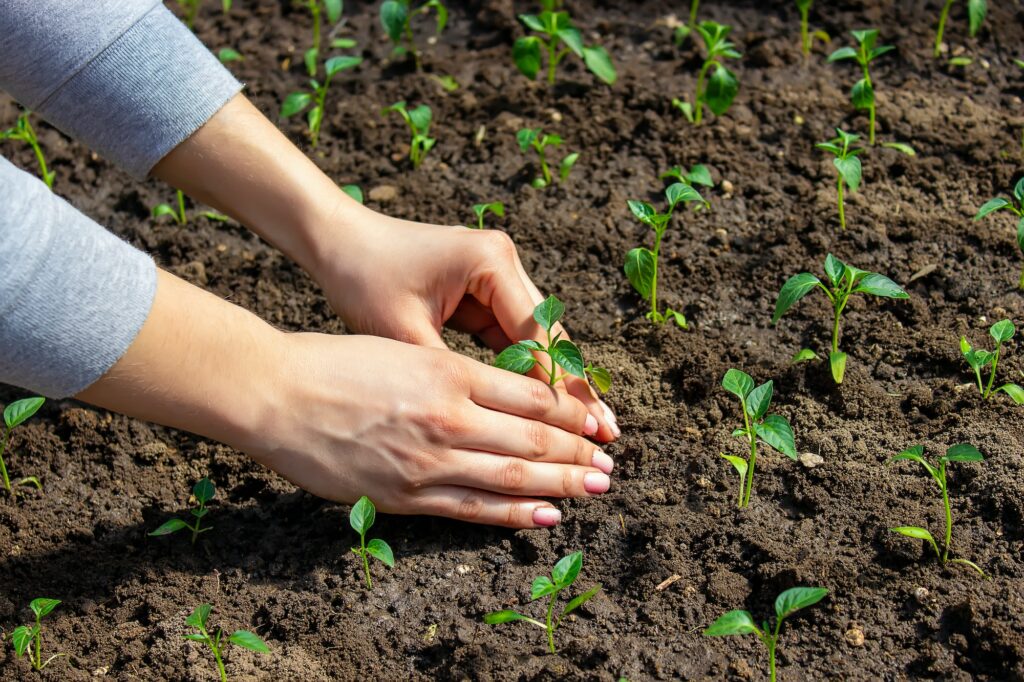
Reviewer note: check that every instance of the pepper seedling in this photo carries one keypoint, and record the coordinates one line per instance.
(481, 210)
(418, 119)
(217, 643)
(698, 175)
(563, 575)
(179, 214)
(719, 90)
(333, 11)
(202, 492)
(976, 11)
(538, 140)
(559, 39)
(1014, 205)
(361, 518)
(770, 429)
(297, 102)
(978, 359)
(642, 263)
(16, 414)
(24, 132)
(806, 36)
(742, 623)
(26, 637)
(844, 281)
(396, 17)
(863, 93)
(964, 452)
(847, 164)
(519, 357)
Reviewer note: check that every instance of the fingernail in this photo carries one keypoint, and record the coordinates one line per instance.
(602, 461)
(609, 417)
(595, 483)
(590, 426)
(546, 516)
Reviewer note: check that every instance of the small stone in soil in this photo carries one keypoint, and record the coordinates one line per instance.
(383, 193)
(811, 460)
(854, 637)
(727, 187)
(921, 595)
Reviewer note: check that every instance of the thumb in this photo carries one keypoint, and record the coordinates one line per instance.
(415, 327)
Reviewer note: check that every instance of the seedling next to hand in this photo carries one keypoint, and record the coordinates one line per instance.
(964, 452)
(562, 576)
(179, 214)
(719, 90)
(1014, 205)
(564, 354)
(536, 138)
(25, 637)
(978, 359)
(298, 101)
(15, 415)
(242, 638)
(863, 93)
(742, 623)
(418, 119)
(24, 132)
(481, 210)
(844, 281)
(847, 164)
(202, 492)
(361, 517)
(757, 425)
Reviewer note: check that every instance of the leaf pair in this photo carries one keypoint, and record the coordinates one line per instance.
(361, 518)
(481, 210)
(418, 120)
(16, 414)
(24, 636)
(24, 132)
(538, 140)
(202, 492)
(719, 89)
(561, 38)
(297, 102)
(979, 359)
(772, 429)
(1014, 205)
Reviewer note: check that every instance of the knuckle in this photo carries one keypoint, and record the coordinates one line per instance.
(470, 507)
(512, 475)
(442, 424)
(538, 440)
(568, 483)
(512, 515)
(450, 371)
(542, 399)
(584, 455)
(499, 244)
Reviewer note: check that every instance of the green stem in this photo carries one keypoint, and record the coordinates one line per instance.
(949, 515)
(1020, 284)
(412, 45)
(805, 43)
(992, 373)
(654, 275)
(693, 13)
(38, 663)
(544, 167)
(34, 143)
(3, 467)
(840, 304)
(181, 207)
(314, 9)
(551, 630)
(871, 132)
(699, 102)
(366, 561)
(842, 205)
(752, 462)
(942, 27)
(220, 664)
(552, 60)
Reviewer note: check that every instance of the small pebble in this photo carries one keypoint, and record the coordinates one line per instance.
(921, 595)
(703, 482)
(811, 460)
(798, 119)
(463, 569)
(383, 193)
(854, 637)
(728, 187)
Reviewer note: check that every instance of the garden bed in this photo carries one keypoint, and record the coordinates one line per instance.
(278, 560)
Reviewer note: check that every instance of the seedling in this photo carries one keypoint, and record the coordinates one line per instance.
(333, 10)
(563, 575)
(642, 263)
(742, 623)
(24, 132)
(24, 637)
(297, 102)
(863, 93)
(719, 90)
(242, 638)
(481, 210)
(843, 281)
(202, 492)
(848, 165)
(538, 140)
(361, 518)
(770, 429)
(1014, 205)
(229, 54)
(806, 36)
(396, 16)
(564, 354)
(964, 452)
(976, 10)
(354, 191)
(978, 359)
(15, 415)
(418, 119)
(558, 38)
(179, 214)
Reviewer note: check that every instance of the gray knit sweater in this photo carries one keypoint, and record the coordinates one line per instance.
(128, 79)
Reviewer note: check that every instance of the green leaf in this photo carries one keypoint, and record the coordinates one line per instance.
(567, 355)
(516, 358)
(976, 10)
(850, 169)
(228, 54)
(164, 209)
(336, 64)
(901, 147)
(803, 355)
(580, 600)
(602, 378)
(1014, 391)
(533, 22)
(506, 616)
(548, 312)
(1018, 190)
(249, 640)
(381, 551)
(963, 452)
(837, 361)
(565, 167)
(393, 16)
(862, 95)
(1020, 234)
(542, 586)
(420, 118)
(880, 285)
(640, 271)
(168, 527)
(644, 212)
(795, 288)
(343, 43)
(17, 412)
(978, 358)
(990, 206)
(442, 14)
(835, 269)
(866, 37)
(1002, 331)
(915, 454)
(733, 623)
(738, 462)
(196, 637)
(776, 432)
(294, 103)
(681, 192)
(600, 64)
(797, 598)
(830, 147)
(353, 191)
(22, 639)
(526, 137)
(759, 399)
(526, 55)
(198, 618)
(960, 61)
(203, 490)
(917, 533)
(333, 8)
(42, 606)
(879, 51)
(737, 382)
(572, 39)
(684, 107)
(362, 515)
(677, 317)
(565, 571)
(843, 53)
(721, 90)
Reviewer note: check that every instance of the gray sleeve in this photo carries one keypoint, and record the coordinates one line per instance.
(72, 295)
(125, 77)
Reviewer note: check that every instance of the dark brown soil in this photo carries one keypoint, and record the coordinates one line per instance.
(278, 560)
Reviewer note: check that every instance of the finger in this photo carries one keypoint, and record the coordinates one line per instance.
(518, 477)
(511, 393)
(480, 506)
(531, 440)
(473, 318)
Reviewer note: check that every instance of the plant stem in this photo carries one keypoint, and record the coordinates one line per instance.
(38, 664)
(314, 9)
(544, 166)
(992, 373)
(220, 664)
(34, 143)
(1020, 284)
(942, 27)
(693, 13)
(842, 205)
(871, 107)
(552, 60)
(366, 560)
(181, 207)
(753, 454)
(551, 630)
(654, 277)
(3, 467)
(805, 43)
(949, 514)
(699, 101)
